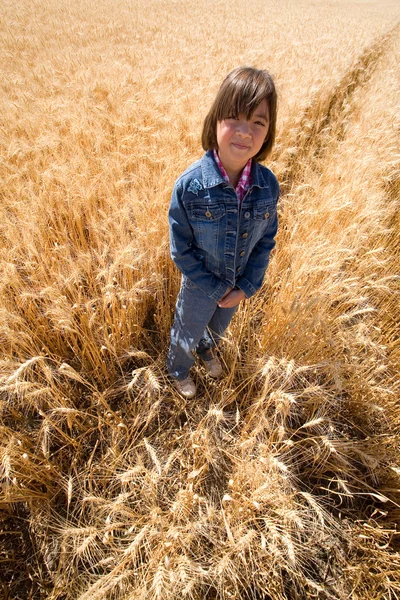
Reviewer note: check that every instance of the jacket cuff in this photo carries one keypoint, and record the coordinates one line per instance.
(246, 286)
(219, 291)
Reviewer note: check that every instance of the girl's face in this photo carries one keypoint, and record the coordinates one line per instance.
(239, 138)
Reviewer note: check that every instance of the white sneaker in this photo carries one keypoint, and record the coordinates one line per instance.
(213, 367)
(186, 387)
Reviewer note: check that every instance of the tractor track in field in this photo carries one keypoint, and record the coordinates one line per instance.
(325, 117)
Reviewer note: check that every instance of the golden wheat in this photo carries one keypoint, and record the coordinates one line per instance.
(282, 481)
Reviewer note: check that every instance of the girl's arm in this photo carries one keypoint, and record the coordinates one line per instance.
(252, 278)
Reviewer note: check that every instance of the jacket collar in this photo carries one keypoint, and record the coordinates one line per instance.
(212, 175)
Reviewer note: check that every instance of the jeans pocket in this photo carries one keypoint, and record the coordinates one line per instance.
(187, 283)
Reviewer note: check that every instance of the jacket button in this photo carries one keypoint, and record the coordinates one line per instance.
(208, 214)
(239, 269)
(247, 215)
(245, 235)
(266, 215)
(242, 253)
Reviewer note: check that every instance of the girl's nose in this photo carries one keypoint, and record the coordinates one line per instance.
(243, 128)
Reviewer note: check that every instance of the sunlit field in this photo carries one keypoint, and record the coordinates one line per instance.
(281, 481)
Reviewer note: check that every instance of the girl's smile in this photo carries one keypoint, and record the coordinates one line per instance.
(241, 146)
(239, 138)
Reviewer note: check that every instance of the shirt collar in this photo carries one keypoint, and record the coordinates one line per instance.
(212, 175)
(245, 177)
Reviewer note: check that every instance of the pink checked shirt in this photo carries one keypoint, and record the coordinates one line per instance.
(244, 181)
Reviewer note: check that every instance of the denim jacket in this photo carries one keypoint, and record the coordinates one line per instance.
(216, 243)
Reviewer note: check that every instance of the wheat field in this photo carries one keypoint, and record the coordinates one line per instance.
(281, 481)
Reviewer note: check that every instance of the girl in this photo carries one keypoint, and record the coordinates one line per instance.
(223, 221)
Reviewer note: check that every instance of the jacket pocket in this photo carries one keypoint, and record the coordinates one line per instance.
(264, 212)
(207, 224)
(206, 213)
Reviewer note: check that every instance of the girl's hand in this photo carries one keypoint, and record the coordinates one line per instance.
(228, 291)
(231, 299)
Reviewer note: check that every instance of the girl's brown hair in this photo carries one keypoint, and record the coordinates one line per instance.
(241, 92)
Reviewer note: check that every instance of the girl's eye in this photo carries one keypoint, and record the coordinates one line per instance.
(260, 123)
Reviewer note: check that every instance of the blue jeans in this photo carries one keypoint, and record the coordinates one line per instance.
(198, 325)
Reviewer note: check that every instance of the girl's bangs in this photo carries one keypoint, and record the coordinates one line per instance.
(242, 98)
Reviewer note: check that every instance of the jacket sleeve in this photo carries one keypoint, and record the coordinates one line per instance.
(182, 251)
(251, 280)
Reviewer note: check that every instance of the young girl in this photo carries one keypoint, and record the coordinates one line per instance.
(223, 221)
